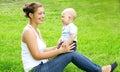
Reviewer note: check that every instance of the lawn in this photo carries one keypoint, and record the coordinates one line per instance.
(98, 23)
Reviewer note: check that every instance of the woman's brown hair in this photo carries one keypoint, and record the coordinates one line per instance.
(31, 8)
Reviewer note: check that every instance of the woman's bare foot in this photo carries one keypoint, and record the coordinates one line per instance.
(106, 68)
(109, 68)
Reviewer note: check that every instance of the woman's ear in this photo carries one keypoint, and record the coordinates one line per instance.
(30, 15)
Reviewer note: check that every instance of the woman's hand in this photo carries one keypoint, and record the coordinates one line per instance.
(66, 48)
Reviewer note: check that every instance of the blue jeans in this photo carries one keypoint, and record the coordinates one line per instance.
(61, 61)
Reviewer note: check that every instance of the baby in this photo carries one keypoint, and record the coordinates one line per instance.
(69, 30)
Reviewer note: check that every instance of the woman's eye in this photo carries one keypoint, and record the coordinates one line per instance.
(41, 13)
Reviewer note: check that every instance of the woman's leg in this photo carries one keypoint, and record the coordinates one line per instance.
(84, 63)
(59, 63)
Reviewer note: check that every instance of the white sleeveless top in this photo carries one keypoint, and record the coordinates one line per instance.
(28, 61)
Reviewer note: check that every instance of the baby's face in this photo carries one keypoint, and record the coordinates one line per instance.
(65, 18)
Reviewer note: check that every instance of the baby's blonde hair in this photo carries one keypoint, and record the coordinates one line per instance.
(70, 11)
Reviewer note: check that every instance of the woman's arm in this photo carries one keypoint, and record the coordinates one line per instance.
(30, 39)
(50, 48)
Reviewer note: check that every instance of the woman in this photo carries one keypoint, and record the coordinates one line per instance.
(35, 55)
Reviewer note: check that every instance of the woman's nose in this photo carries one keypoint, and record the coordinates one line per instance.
(43, 15)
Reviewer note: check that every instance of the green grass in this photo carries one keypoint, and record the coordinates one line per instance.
(98, 25)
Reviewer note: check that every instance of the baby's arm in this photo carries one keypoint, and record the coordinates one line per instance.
(73, 33)
(70, 39)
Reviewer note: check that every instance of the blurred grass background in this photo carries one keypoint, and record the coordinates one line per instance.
(98, 25)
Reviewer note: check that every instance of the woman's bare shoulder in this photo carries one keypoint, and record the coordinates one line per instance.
(27, 33)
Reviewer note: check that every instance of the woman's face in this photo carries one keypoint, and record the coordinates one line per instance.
(38, 15)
